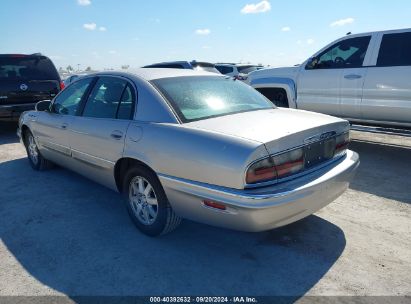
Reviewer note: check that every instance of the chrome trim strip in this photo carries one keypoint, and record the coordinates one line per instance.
(57, 148)
(92, 160)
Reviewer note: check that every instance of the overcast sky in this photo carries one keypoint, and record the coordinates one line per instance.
(111, 33)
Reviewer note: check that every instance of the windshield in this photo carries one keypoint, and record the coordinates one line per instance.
(197, 98)
(26, 67)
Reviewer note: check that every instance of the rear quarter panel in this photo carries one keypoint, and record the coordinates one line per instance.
(192, 154)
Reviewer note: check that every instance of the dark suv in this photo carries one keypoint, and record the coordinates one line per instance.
(25, 80)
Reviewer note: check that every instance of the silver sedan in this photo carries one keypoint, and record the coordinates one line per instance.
(189, 144)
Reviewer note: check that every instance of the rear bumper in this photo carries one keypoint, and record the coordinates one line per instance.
(265, 208)
(13, 111)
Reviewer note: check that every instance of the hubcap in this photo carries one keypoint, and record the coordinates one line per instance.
(32, 148)
(143, 200)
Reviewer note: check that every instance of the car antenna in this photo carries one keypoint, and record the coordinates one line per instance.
(349, 33)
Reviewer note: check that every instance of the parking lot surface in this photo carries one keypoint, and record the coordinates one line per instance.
(61, 234)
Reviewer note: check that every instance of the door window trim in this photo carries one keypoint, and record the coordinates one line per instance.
(366, 60)
(134, 92)
(86, 94)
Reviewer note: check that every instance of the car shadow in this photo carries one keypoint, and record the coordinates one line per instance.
(8, 132)
(385, 170)
(75, 236)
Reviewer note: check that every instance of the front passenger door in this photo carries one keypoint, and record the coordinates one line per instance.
(97, 136)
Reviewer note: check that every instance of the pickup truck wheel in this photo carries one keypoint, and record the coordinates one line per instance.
(147, 203)
(37, 161)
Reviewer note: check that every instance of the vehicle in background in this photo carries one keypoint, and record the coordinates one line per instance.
(190, 65)
(364, 78)
(73, 77)
(192, 144)
(238, 71)
(25, 80)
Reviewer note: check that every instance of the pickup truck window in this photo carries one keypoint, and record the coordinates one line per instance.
(348, 53)
(395, 50)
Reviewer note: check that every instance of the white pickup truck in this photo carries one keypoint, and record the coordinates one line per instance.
(364, 78)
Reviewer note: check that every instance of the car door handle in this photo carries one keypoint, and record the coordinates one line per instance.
(117, 135)
(352, 76)
(64, 126)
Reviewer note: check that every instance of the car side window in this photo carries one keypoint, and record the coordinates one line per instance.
(126, 107)
(67, 102)
(348, 53)
(395, 50)
(105, 99)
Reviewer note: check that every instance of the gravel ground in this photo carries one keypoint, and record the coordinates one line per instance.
(61, 234)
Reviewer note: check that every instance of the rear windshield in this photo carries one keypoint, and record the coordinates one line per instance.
(39, 68)
(197, 98)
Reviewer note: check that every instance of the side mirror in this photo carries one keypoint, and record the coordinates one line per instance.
(312, 63)
(43, 105)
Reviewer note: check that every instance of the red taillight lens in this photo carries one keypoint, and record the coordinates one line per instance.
(289, 163)
(214, 205)
(62, 85)
(261, 171)
(341, 143)
(276, 167)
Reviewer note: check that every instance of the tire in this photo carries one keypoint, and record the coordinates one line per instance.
(36, 160)
(147, 203)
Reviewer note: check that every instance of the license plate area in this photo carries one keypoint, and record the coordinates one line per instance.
(319, 152)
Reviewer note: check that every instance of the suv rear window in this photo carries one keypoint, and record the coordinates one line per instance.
(27, 67)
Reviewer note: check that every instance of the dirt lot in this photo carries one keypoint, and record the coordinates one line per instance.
(61, 234)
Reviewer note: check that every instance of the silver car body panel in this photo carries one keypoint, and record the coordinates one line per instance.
(206, 159)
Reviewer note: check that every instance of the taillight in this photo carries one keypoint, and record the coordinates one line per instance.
(62, 85)
(341, 144)
(289, 163)
(292, 162)
(278, 166)
(241, 77)
(261, 171)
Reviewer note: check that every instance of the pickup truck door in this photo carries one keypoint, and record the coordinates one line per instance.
(97, 136)
(51, 127)
(387, 87)
(318, 90)
(332, 82)
(354, 73)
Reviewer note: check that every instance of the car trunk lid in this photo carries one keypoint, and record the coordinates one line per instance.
(278, 129)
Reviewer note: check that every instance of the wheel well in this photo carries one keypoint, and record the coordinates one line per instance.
(278, 96)
(24, 130)
(121, 168)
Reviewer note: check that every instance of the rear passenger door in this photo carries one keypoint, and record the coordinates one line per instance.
(387, 88)
(97, 135)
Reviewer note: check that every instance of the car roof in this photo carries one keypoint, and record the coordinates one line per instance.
(149, 74)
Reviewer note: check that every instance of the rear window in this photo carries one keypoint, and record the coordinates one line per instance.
(27, 67)
(197, 98)
(395, 50)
